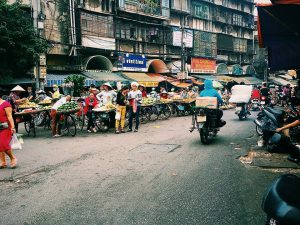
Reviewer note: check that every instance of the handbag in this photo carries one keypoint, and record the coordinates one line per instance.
(15, 144)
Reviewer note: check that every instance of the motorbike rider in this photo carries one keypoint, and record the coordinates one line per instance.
(209, 91)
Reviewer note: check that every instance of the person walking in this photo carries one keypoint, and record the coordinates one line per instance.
(7, 128)
(121, 109)
(135, 98)
(55, 116)
(90, 103)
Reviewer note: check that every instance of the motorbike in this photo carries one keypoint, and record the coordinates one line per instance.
(255, 104)
(206, 122)
(242, 110)
(281, 201)
(263, 101)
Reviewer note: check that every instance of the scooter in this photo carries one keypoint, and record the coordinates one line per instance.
(255, 104)
(206, 122)
(263, 101)
(242, 110)
(281, 201)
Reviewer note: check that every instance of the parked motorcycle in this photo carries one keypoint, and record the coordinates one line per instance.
(255, 104)
(281, 201)
(206, 122)
(242, 110)
(263, 101)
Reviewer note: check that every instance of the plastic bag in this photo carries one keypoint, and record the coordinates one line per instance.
(118, 115)
(15, 143)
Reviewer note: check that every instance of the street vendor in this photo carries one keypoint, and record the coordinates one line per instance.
(15, 100)
(164, 95)
(55, 116)
(143, 90)
(90, 103)
(93, 89)
(153, 93)
(30, 95)
(56, 93)
(172, 93)
(107, 95)
(41, 96)
(184, 94)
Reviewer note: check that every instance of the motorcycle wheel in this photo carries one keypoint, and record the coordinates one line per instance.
(204, 136)
(241, 117)
(259, 131)
(271, 221)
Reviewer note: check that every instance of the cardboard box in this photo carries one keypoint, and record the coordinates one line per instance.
(207, 102)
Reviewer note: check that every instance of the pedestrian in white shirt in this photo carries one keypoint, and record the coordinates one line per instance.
(55, 117)
(135, 101)
(107, 95)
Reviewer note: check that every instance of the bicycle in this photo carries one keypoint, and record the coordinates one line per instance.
(68, 124)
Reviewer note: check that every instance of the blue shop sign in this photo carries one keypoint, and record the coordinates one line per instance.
(131, 62)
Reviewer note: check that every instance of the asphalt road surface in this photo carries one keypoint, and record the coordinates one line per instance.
(160, 175)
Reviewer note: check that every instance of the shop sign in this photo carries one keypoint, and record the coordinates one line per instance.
(149, 84)
(187, 37)
(131, 62)
(200, 65)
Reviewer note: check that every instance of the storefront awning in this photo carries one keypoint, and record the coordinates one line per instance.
(158, 76)
(104, 76)
(143, 78)
(205, 77)
(181, 84)
(280, 81)
(246, 80)
(59, 79)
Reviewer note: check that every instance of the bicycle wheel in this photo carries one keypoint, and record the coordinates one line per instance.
(71, 125)
(40, 119)
(154, 114)
(80, 120)
(167, 111)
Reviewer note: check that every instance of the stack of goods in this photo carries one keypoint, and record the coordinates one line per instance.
(46, 107)
(27, 104)
(177, 98)
(163, 100)
(105, 108)
(68, 107)
(45, 102)
(148, 101)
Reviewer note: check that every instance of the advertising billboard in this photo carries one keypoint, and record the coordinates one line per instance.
(201, 65)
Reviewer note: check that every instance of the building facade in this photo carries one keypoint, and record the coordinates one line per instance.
(198, 36)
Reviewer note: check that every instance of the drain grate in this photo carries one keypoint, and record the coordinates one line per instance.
(147, 147)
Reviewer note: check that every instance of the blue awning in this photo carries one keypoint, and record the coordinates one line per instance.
(59, 79)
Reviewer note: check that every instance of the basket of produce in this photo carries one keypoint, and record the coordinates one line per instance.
(45, 102)
(46, 108)
(166, 100)
(148, 101)
(27, 104)
(68, 108)
(27, 112)
(106, 108)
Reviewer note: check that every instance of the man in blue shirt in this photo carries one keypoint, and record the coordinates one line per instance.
(209, 91)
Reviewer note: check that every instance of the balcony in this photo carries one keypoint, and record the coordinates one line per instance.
(152, 8)
(181, 6)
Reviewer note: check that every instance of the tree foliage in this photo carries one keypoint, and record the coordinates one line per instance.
(78, 82)
(19, 43)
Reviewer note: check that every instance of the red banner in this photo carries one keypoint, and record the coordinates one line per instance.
(200, 65)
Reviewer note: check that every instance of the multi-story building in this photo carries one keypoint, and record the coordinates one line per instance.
(156, 36)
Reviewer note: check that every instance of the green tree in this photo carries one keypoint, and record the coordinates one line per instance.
(19, 43)
(78, 82)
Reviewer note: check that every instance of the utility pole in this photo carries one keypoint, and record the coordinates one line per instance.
(182, 46)
(36, 8)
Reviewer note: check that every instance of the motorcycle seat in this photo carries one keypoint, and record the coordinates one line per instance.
(276, 112)
(282, 200)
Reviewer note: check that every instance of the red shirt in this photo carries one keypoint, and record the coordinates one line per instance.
(144, 94)
(255, 94)
(87, 104)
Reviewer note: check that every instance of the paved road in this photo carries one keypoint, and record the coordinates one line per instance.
(161, 175)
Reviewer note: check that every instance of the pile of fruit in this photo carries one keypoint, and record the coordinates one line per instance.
(177, 97)
(148, 101)
(110, 106)
(47, 107)
(46, 101)
(166, 100)
(68, 107)
(27, 104)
